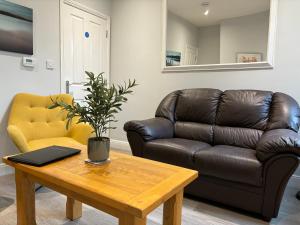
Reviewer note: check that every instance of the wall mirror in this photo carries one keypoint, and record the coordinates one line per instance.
(218, 34)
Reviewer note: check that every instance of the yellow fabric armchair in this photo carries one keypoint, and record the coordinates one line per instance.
(81, 132)
(32, 125)
(18, 138)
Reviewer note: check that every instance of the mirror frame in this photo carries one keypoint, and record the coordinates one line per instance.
(268, 64)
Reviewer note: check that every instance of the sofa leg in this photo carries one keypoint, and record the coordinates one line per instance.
(266, 219)
(298, 195)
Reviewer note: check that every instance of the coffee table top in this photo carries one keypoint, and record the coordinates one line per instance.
(128, 183)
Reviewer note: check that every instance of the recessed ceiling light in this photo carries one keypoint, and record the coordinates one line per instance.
(206, 12)
(205, 6)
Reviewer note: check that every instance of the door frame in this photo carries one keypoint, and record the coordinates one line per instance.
(94, 12)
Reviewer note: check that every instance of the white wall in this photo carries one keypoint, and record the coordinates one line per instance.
(244, 34)
(136, 53)
(181, 33)
(209, 45)
(15, 78)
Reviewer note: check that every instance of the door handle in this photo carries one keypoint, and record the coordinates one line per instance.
(68, 87)
(68, 84)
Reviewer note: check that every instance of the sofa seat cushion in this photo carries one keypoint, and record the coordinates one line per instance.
(176, 151)
(59, 141)
(230, 163)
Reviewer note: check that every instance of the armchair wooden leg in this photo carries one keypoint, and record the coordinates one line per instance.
(73, 209)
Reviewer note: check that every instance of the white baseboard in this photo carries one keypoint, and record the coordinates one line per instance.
(120, 145)
(296, 177)
(5, 169)
(294, 182)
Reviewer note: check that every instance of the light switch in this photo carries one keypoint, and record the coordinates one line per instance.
(29, 61)
(50, 65)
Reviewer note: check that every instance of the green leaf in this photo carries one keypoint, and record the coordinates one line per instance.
(101, 103)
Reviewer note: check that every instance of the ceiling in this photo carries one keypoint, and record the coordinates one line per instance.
(193, 11)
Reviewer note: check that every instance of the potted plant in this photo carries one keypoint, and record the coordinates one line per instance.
(99, 107)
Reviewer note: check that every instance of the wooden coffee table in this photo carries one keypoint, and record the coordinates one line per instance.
(128, 188)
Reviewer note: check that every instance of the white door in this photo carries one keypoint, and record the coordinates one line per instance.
(85, 47)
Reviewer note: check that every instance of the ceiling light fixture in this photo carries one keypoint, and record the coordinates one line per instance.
(206, 12)
(205, 5)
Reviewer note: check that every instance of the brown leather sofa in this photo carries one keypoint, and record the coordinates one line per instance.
(244, 143)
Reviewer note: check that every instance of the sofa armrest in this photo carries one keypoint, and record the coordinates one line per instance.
(18, 138)
(277, 142)
(81, 132)
(151, 129)
(277, 172)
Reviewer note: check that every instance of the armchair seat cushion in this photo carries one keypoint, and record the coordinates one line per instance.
(60, 141)
(230, 163)
(175, 151)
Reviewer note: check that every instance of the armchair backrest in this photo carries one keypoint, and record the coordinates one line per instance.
(233, 117)
(31, 115)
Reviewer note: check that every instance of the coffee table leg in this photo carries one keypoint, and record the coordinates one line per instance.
(73, 209)
(127, 219)
(172, 210)
(25, 199)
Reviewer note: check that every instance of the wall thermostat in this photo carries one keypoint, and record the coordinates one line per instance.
(28, 61)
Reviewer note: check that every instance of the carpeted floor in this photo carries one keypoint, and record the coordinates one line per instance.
(51, 210)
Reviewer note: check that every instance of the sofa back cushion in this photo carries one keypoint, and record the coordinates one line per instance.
(241, 117)
(195, 114)
(166, 108)
(233, 117)
(197, 105)
(244, 108)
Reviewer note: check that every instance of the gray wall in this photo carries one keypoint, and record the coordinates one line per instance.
(181, 33)
(136, 53)
(220, 43)
(244, 34)
(16, 78)
(209, 45)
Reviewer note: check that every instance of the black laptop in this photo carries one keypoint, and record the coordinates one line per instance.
(44, 156)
